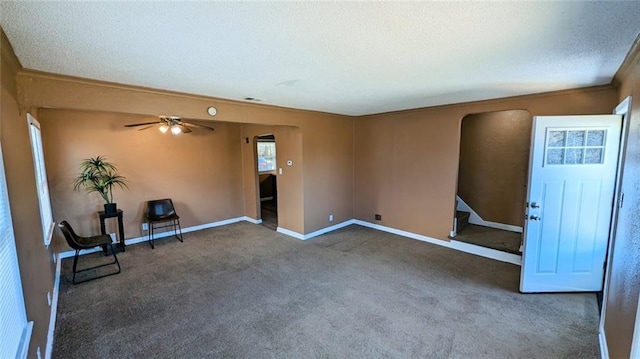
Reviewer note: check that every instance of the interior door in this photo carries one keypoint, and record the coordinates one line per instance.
(572, 171)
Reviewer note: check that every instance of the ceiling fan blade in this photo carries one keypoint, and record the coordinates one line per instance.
(184, 128)
(144, 128)
(141, 124)
(198, 126)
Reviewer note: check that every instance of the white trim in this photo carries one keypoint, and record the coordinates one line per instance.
(54, 310)
(456, 245)
(475, 218)
(131, 241)
(252, 220)
(23, 348)
(623, 109)
(604, 350)
(635, 342)
(290, 233)
(304, 237)
(486, 252)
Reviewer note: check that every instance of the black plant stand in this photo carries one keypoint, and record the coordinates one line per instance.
(103, 215)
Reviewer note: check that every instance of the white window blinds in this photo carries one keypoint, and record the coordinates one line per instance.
(14, 329)
(41, 179)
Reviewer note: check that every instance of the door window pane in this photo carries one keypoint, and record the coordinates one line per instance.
(575, 146)
(575, 138)
(595, 138)
(556, 138)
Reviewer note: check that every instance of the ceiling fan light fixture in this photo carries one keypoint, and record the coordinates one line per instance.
(176, 130)
(164, 128)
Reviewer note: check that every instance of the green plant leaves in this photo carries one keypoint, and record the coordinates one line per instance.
(98, 175)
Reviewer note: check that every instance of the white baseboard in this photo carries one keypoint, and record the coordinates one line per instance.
(475, 218)
(604, 350)
(486, 252)
(290, 233)
(460, 246)
(135, 240)
(304, 237)
(54, 310)
(453, 244)
(252, 220)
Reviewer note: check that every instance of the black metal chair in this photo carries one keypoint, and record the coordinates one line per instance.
(79, 243)
(162, 211)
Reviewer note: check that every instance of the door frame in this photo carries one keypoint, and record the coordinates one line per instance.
(623, 109)
(256, 171)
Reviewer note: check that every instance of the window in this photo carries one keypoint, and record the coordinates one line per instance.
(41, 179)
(266, 155)
(575, 146)
(15, 332)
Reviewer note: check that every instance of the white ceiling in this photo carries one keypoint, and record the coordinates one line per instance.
(350, 58)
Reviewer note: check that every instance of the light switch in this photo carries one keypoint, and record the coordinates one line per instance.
(280, 171)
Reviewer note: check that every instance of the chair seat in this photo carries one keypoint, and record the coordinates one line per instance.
(161, 218)
(90, 242)
(79, 243)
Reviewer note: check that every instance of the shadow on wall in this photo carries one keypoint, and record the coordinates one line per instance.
(494, 164)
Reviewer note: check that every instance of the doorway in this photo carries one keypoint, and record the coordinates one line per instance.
(492, 178)
(266, 170)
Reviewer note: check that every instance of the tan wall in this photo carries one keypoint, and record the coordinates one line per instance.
(51, 91)
(290, 182)
(624, 287)
(328, 172)
(406, 163)
(494, 162)
(35, 260)
(201, 172)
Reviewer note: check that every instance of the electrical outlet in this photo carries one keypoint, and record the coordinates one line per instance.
(145, 226)
(49, 298)
(38, 354)
(377, 217)
(331, 218)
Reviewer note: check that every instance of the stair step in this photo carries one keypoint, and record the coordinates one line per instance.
(462, 220)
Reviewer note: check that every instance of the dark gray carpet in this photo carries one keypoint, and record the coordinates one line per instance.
(244, 291)
(505, 241)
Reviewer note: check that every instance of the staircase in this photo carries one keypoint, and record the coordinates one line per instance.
(462, 220)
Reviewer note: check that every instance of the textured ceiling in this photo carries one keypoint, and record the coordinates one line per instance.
(349, 58)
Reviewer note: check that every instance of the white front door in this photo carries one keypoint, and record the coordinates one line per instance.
(572, 171)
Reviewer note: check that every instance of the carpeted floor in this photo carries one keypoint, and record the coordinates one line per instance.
(505, 241)
(244, 291)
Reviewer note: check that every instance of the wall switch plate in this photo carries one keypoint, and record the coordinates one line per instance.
(331, 218)
(49, 298)
(280, 170)
(145, 226)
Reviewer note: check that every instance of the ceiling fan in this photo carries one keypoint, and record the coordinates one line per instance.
(170, 123)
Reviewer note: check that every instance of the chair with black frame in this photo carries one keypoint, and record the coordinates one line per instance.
(79, 243)
(162, 211)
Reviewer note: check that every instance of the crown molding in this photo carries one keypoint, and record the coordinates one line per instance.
(632, 58)
(7, 53)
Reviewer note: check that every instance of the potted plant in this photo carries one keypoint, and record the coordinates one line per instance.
(98, 175)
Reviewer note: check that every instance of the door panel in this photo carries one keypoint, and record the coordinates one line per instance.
(571, 184)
